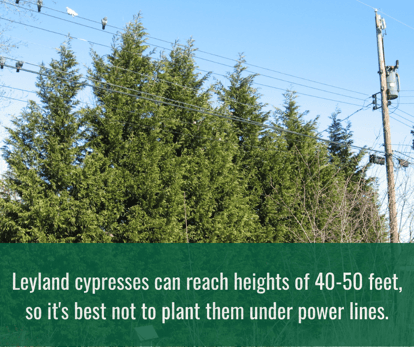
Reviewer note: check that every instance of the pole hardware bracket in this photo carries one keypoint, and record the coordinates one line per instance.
(375, 101)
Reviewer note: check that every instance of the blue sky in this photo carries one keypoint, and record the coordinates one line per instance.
(332, 42)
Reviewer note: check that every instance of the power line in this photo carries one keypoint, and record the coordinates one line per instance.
(213, 114)
(277, 88)
(273, 87)
(212, 61)
(205, 52)
(401, 122)
(116, 67)
(63, 19)
(7, 97)
(404, 118)
(87, 104)
(148, 126)
(362, 108)
(163, 129)
(313, 96)
(342, 120)
(23, 90)
(31, 91)
(212, 139)
(115, 85)
(406, 113)
(386, 15)
(54, 32)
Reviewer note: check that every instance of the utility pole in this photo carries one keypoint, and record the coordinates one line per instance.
(392, 205)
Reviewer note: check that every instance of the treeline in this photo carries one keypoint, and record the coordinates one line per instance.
(152, 161)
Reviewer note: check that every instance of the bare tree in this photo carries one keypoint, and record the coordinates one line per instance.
(404, 188)
(329, 207)
(13, 13)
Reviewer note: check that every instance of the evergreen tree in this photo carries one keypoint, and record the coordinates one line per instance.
(354, 175)
(324, 204)
(259, 157)
(341, 154)
(291, 119)
(242, 100)
(127, 130)
(218, 208)
(305, 194)
(51, 172)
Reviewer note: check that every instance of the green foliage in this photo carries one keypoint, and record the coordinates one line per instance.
(342, 155)
(51, 171)
(354, 175)
(153, 162)
(260, 155)
(126, 129)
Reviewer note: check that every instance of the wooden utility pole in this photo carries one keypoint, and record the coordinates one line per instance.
(392, 204)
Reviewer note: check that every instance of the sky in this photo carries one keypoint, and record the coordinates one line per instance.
(297, 43)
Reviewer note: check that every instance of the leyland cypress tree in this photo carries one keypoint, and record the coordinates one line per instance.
(243, 101)
(342, 155)
(217, 201)
(355, 178)
(309, 170)
(259, 156)
(323, 204)
(51, 174)
(127, 130)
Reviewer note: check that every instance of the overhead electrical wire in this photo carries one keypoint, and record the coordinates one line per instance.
(273, 87)
(115, 85)
(284, 89)
(8, 97)
(87, 104)
(208, 138)
(162, 129)
(229, 66)
(210, 113)
(54, 32)
(22, 90)
(408, 120)
(150, 126)
(118, 86)
(342, 120)
(386, 15)
(406, 113)
(401, 122)
(267, 76)
(205, 52)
